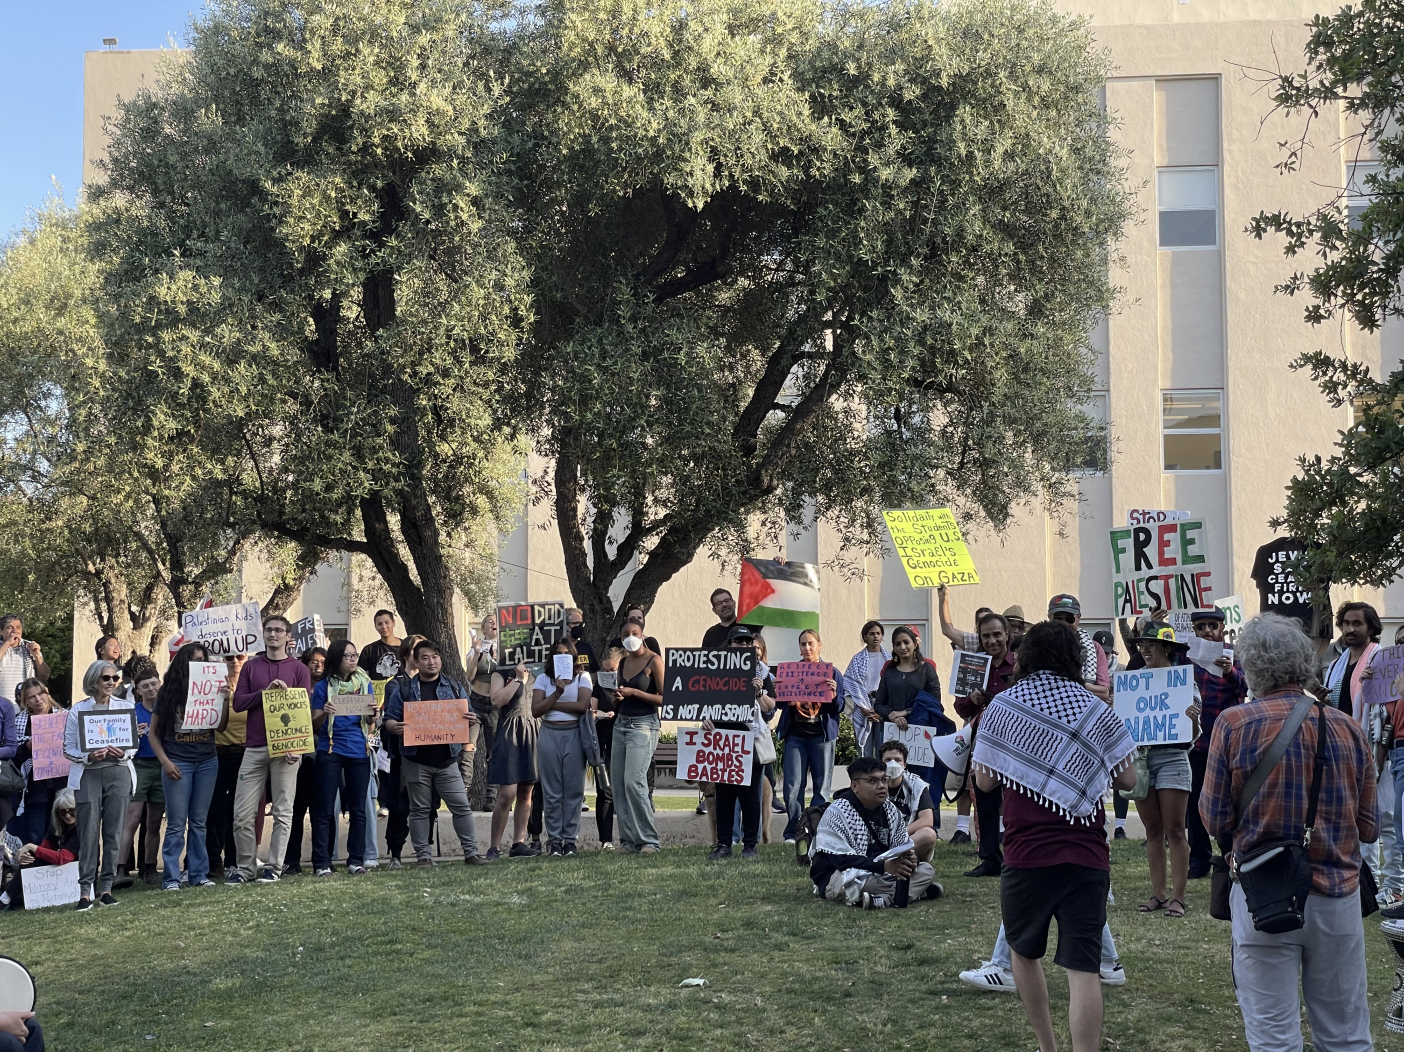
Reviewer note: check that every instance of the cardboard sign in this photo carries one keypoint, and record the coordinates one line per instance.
(527, 631)
(107, 729)
(1160, 567)
(287, 718)
(708, 684)
(355, 704)
(380, 686)
(969, 673)
(204, 697)
(1146, 517)
(918, 743)
(46, 742)
(306, 634)
(1388, 664)
(50, 886)
(804, 683)
(714, 756)
(225, 630)
(438, 721)
(930, 545)
(1233, 618)
(1153, 702)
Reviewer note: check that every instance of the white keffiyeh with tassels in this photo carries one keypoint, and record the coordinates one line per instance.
(1053, 740)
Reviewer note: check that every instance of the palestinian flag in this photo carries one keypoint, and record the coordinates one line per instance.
(785, 596)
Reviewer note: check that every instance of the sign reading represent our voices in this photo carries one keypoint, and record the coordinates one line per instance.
(1153, 703)
(438, 721)
(107, 729)
(1161, 567)
(804, 683)
(1388, 665)
(714, 756)
(527, 631)
(930, 545)
(232, 629)
(708, 684)
(46, 741)
(916, 739)
(287, 718)
(204, 697)
(969, 673)
(50, 886)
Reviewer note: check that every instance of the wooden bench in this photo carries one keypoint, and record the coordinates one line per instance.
(666, 755)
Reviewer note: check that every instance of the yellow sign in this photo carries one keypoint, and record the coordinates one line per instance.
(932, 551)
(380, 686)
(287, 718)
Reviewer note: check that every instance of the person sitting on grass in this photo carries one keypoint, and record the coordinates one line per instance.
(58, 848)
(20, 1032)
(912, 797)
(861, 825)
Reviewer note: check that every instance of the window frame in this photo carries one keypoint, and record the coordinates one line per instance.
(1102, 401)
(1192, 430)
(1218, 207)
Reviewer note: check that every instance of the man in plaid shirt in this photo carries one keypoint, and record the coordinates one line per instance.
(1217, 691)
(1327, 954)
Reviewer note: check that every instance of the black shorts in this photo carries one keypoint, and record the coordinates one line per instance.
(1075, 895)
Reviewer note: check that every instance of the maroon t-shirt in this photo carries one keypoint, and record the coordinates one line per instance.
(1035, 836)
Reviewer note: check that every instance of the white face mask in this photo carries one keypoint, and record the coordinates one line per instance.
(894, 769)
(631, 643)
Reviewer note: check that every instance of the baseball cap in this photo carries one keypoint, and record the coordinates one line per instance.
(1064, 604)
(1212, 614)
(740, 631)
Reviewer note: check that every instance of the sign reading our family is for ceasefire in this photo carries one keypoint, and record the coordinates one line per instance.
(1160, 567)
(930, 545)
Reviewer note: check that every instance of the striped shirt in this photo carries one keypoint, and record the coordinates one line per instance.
(1346, 814)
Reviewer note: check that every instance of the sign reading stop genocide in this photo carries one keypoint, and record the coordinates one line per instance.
(714, 756)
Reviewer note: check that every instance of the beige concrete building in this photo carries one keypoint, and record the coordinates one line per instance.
(1205, 415)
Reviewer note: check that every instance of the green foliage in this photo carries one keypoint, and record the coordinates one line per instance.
(846, 747)
(1345, 506)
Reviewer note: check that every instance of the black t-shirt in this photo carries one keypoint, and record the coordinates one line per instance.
(923, 804)
(716, 635)
(379, 661)
(429, 755)
(1278, 592)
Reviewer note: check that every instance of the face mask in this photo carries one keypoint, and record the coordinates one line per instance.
(576, 631)
(894, 769)
(631, 643)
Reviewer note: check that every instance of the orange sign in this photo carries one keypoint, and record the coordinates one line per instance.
(437, 722)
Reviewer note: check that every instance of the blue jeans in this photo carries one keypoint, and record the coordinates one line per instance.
(631, 755)
(812, 757)
(188, 804)
(329, 771)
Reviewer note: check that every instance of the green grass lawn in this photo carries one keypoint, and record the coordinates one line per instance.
(587, 954)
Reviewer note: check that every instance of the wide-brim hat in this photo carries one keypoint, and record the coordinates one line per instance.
(1160, 632)
(1015, 613)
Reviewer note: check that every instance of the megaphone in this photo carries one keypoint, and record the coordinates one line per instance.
(953, 750)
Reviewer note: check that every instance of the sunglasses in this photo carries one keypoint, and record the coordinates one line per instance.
(112, 679)
(68, 810)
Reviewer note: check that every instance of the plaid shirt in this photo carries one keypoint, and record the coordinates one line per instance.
(1216, 693)
(1346, 815)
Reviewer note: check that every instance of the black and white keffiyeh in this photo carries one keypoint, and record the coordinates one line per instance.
(1053, 740)
(842, 830)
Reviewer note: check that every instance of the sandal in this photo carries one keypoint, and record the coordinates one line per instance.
(1176, 912)
(1153, 905)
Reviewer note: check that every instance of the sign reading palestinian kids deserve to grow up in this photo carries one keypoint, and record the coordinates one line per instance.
(1153, 703)
(46, 742)
(1161, 567)
(287, 717)
(224, 630)
(204, 697)
(438, 721)
(704, 684)
(714, 756)
(527, 631)
(932, 550)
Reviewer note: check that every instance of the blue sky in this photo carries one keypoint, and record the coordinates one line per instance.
(41, 80)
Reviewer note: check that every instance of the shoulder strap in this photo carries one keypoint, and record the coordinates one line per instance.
(1316, 775)
(1273, 756)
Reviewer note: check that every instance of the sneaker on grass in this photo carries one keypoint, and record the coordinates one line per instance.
(268, 876)
(990, 977)
(1113, 974)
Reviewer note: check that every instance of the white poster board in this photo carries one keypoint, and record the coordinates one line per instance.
(235, 628)
(714, 756)
(1233, 617)
(50, 886)
(1153, 701)
(916, 739)
(204, 696)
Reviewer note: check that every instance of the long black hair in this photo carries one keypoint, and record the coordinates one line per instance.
(916, 644)
(170, 702)
(335, 653)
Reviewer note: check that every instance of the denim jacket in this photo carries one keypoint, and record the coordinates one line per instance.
(396, 696)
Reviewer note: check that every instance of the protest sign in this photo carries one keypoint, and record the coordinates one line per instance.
(708, 684)
(1182, 621)
(1146, 517)
(527, 631)
(287, 718)
(204, 697)
(607, 679)
(563, 666)
(804, 683)
(224, 630)
(1161, 567)
(307, 633)
(46, 742)
(969, 673)
(438, 721)
(930, 545)
(356, 704)
(1153, 702)
(714, 756)
(918, 743)
(381, 687)
(1387, 665)
(50, 886)
(1233, 617)
(107, 728)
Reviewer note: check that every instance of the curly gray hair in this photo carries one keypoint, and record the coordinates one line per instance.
(1274, 651)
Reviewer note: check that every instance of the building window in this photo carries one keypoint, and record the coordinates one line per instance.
(1358, 195)
(1192, 429)
(1187, 200)
(1098, 456)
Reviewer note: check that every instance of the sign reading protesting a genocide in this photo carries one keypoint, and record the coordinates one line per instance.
(527, 631)
(930, 545)
(1160, 567)
(704, 684)
(714, 756)
(1153, 703)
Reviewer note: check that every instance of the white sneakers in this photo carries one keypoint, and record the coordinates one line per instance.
(994, 979)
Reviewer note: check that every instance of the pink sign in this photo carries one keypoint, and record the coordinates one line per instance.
(804, 682)
(47, 744)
